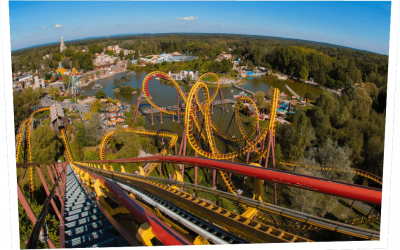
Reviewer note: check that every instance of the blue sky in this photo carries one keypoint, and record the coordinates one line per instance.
(361, 25)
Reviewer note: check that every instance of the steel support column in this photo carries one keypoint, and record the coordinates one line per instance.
(151, 108)
(52, 181)
(46, 189)
(137, 106)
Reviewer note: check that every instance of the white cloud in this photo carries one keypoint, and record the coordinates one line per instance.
(223, 26)
(191, 18)
(44, 27)
(57, 26)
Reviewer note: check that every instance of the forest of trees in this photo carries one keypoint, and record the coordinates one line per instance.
(354, 122)
(330, 65)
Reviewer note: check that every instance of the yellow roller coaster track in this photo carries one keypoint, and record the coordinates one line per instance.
(19, 139)
(28, 143)
(67, 149)
(355, 171)
(107, 137)
(210, 128)
(208, 133)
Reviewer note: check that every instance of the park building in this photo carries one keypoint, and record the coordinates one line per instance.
(103, 60)
(57, 118)
(183, 74)
(226, 56)
(62, 45)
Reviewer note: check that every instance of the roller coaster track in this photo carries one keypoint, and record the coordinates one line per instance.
(210, 127)
(21, 133)
(355, 171)
(67, 149)
(109, 135)
(145, 183)
(28, 123)
(308, 221)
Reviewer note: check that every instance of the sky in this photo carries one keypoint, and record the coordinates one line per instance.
(360, 25)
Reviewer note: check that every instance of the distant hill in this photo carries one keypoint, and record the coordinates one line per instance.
(148, 35)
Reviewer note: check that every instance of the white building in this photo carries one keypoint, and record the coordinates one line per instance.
(102, 60)
(62, 46)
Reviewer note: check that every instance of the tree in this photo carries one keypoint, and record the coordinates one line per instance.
(250, 65)
(91, 155)
(93, 130)
(66, 80)
(137, 56)
(45, 144)
(17, 67)
(54, 91)
(129, 64)
(304, 73)
(95, 107)
(310, 96)
(130, 145)
(97, 72)
(260, 100)
(328, 103)
(372, 90)
(124, 79)
(121, 54)
(296, 137)
(126, 90)
(328, 154)
(100, 94)
(76, 64)
(117, 81)
(358, 101)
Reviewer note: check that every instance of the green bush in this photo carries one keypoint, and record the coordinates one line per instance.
(100, 94)
(126, 90)
(310, 96)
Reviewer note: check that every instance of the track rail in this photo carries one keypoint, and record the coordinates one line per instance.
(235, 223)
(173, 139)
(326, 186)
(355, 171)
(162, 231)
(311, 220)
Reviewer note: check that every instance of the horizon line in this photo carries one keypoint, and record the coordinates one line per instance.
(135, 34)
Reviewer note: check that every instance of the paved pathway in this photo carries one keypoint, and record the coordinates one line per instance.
(66, 104)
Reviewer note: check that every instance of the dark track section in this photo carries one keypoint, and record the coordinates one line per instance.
(85, 225)
(207, 226)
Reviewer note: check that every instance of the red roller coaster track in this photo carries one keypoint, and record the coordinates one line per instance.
(326, 186)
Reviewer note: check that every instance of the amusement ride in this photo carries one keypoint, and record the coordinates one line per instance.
(101, 207)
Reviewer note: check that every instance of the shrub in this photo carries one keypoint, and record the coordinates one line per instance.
(126, 90)
(310, 96)
(100, 94)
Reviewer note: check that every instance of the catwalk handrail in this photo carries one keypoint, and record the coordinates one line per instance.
(317, 184)
(33, 237)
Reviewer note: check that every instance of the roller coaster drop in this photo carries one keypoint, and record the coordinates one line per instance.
(196, 132)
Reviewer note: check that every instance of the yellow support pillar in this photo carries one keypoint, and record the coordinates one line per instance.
(258, 187)
(177, 173)
(250, 212)
(200, 240)
(102, 201)
(169, 223)
(141, 172)
(88, 179)
(145, 234)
